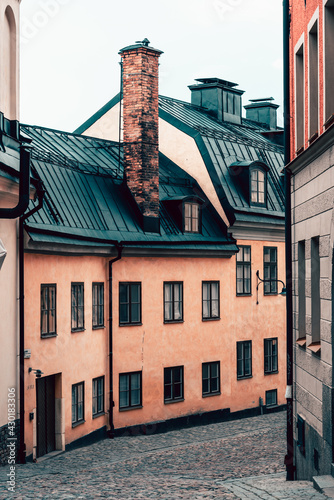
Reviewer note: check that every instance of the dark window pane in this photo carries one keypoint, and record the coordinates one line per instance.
(135, 313)
(124, 313)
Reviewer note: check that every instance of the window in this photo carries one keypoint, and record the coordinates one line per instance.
(313, 68)
(328, 60)
(299, 100)
(98, 396)
(315, 290)
(48, 310)
(244, 270)
(258, 187)
(173, 302)
(301, 291)
(210, 300)
(77, 403)
(270, 270)
(191, 218)
(173, 384)
(270, 355)
(130, 303)
(211, 378)
(77, 306)
(130, 390)
(271, 398)
(98, 305)
(244, 359)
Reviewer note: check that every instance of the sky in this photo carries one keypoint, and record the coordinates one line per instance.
(70, 68)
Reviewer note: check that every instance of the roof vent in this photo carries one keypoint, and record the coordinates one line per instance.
(263, 111)
(219, 97)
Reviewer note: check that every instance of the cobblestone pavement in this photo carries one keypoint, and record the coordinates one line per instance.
(241, 459)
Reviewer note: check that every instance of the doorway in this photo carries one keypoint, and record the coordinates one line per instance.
(46, 427)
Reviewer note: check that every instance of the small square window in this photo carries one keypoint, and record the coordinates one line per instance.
(78, 409)
(211, 378)
(130, 390)
(244, 359)
(98, 396)
(271, 398)
(48, 310)
(270, 355)
(210, 300)
(191, 217)
(130, 303)
(173, 302)
(98, 305)
(77, 306)
(173, 384)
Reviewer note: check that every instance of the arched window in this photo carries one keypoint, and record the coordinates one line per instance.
(9, 71)
(258, 187)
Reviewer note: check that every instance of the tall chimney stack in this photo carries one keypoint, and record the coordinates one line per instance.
(140, 68)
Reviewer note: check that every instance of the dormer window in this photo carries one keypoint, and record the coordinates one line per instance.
(191, 217)
(257, 187)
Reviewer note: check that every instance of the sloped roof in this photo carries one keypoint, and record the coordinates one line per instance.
(87, 200)
(221, 144)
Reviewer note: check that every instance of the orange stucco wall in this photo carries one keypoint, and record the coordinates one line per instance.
(79, 356)
(153, 345)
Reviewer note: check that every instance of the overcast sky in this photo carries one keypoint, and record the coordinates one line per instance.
(70, 62)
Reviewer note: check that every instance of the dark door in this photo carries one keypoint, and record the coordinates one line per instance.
(46, 440)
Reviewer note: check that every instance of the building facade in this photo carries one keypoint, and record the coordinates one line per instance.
(312, 197)
(143, 307)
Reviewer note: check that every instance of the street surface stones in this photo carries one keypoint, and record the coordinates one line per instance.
(241, 459)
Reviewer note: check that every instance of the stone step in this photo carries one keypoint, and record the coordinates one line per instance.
(324, 484)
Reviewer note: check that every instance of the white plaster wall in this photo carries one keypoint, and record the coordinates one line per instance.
(9, 59)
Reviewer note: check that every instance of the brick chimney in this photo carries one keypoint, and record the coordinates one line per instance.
(140, 65)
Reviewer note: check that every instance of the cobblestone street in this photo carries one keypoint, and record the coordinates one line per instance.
(241, 459)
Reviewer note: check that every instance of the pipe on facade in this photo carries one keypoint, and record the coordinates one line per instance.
(21, 457)
(24, 188)
(289, 458)
(111, 392)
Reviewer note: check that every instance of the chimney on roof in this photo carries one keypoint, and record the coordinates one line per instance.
(219, 97)
(263, 111)
(140, 64)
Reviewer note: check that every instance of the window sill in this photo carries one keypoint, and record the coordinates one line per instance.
(173, 321)
(211, 394)
(313, 137)
(48, 335)
(244, 294)
(173, 401)
(97, 415)
(270, 294)
(98, 327)
(271, 373)
(131, 408)
(301, 342)
(245, 378)
(210, 319)
(130, 324)
(315, 347)
(78, 330)
(75, 424)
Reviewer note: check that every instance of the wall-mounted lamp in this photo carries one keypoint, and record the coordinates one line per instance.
(38, 373)
(259, 281)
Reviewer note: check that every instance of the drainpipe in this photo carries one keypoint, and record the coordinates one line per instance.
(289, 457)
(111, 392)
(21, 457)
(24, 188)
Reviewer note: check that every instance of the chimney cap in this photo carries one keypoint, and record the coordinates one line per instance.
(144, 44)
(226, 83)
(262, 99)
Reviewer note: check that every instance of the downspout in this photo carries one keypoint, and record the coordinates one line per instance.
(111, 392)
(21, 457)
(289, 457)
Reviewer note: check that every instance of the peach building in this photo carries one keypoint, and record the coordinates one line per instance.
(143, 304)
